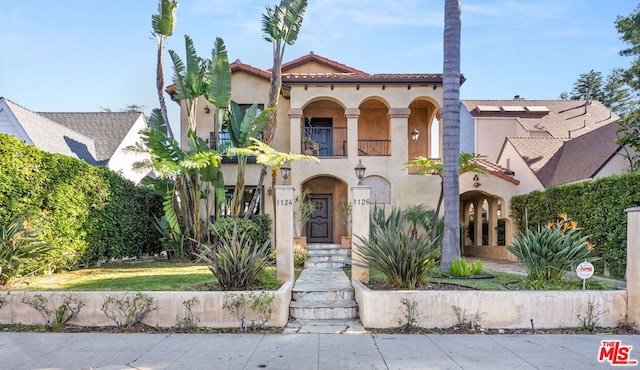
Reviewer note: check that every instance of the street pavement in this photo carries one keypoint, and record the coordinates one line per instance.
(305, 351)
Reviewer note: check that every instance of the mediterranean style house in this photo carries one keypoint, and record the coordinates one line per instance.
(97, 138)
(345, 117)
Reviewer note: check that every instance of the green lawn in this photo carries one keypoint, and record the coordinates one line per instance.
(138, 276)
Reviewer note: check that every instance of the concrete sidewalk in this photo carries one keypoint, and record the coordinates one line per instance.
(302, 351)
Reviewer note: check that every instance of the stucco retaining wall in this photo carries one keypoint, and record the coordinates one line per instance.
(499, 309)
(209, 311)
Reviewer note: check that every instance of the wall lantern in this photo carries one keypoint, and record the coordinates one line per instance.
(360, 170)
(285, 171)
(207, 110)
(415, 134)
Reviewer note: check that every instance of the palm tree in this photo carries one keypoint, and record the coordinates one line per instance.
(281, 26)
(451, 132)
(162, 26)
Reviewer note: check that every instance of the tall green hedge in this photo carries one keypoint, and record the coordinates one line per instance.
(87, 213)
(598, 207)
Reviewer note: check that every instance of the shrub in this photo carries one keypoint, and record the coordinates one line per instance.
(300, 254)
(127, 310)
(19, 242)
(58, 316)
(235, 260)
(257, 227)
(597, 205)
(462, 268)
(403, 256)
(549, 253)
(86, 213)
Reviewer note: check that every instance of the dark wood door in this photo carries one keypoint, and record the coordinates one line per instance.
(319, 228)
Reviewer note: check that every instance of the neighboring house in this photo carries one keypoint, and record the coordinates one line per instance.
(95, 137)
(344, 115)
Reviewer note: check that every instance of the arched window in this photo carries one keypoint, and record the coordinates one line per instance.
(380, 189)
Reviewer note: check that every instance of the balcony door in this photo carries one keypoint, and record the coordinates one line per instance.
(320, 130)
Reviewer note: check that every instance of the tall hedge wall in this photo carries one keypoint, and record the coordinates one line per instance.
(598, 207)
(87, 213)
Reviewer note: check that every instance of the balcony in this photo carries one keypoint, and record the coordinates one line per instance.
(224, 142)
(374, 147)
(324, 141)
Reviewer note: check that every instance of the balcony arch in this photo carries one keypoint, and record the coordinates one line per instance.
(374, 129)
(324, 128)
(425, 118)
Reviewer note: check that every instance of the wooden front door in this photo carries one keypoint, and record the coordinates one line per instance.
(319, 228)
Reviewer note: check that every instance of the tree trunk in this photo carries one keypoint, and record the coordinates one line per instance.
(434, 226)
(451, 133)
(160, 86)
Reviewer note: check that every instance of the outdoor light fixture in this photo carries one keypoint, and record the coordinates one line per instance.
(270, 191)
(207, 110)
(285, 171)
(360, 169)
(476, 181)
(415, 134)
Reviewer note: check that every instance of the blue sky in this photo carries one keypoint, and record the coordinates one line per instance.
(79, 55)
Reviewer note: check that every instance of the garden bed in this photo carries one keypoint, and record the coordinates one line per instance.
(495, 309)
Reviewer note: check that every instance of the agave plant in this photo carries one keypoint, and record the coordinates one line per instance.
(235, 260)
(19, 242)
(404, 257)
(550, 252)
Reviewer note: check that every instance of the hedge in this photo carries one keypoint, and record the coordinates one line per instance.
(598, 207)
(87, 213)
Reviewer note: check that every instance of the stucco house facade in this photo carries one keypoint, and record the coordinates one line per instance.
(345, 116)
(97, 138)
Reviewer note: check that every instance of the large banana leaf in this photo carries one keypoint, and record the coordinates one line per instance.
(163, 22)
(219, 89)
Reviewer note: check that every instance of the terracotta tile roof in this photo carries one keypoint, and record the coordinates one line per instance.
(324, 77)
(565, 118)
(497, 170)
(239, 66)
(312, 57)
(107, 129)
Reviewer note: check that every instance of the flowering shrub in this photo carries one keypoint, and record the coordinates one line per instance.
(549, 253)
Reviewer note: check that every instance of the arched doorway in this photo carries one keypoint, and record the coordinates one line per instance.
(328, 194)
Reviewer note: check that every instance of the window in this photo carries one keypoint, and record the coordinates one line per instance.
(225, 207)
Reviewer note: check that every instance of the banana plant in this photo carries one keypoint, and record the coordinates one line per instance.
(242, 129)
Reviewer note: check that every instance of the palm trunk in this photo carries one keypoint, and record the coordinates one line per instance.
(451, 133)
(434, 226)
(160, 86)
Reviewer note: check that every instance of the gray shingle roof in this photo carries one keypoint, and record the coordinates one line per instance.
(107, 129)
(51, 136)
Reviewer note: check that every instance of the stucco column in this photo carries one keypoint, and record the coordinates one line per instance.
(633, 265)
(295, 114)
(352, 115)
(284, 232)
(492, 218)
(359, 227)
(477, 222)
(399, 125)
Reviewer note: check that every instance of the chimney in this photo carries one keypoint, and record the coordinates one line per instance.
(517, 97)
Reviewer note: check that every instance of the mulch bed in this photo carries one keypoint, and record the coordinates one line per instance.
(425, 286)
(465, 329)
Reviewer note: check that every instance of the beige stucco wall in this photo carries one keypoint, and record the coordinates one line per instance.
(209, 311)
(616, 165)
(512, 160)
(497, 309)
(491, 133)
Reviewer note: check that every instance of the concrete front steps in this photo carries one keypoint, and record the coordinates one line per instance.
(323, 300)
(327, 256)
